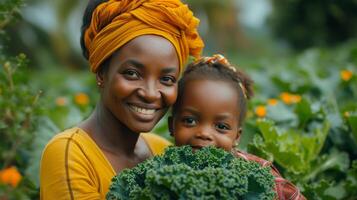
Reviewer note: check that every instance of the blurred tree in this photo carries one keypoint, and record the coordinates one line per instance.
(8, 11)
(306, 23)
(220, 26)
(46, 33)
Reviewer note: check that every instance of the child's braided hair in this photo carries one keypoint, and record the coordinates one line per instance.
(217, 68)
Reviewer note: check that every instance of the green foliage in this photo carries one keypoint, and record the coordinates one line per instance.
(180, 173)
(352, 180)
(305, 23)
(282, 145)
(352, 121)
(306, 127)
(9, 9)
(313, 140)
(19, 111)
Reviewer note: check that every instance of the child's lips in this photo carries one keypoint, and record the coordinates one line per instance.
(196, 147)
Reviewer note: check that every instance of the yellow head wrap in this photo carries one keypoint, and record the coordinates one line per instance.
(116, 22)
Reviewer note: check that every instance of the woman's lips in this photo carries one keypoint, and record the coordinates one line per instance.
(141, 110)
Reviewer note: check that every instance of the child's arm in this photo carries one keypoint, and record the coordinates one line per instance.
(284, 189)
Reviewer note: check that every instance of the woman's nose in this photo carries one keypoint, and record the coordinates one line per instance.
(149, 92)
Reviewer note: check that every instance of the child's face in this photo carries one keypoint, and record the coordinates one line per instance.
(208, 115)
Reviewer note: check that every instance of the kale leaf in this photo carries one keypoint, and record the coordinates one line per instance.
(180, 173)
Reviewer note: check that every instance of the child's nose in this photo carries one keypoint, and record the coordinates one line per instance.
(205, 133)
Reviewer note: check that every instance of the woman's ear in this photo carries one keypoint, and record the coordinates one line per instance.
(100, 78)
(171, 125)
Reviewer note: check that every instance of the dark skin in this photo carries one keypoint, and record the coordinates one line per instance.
(136, 91)
(133, 149)
(207, 115)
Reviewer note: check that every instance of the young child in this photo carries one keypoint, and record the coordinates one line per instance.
(210, 109)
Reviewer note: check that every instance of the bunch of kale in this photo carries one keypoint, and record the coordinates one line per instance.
(180, 173)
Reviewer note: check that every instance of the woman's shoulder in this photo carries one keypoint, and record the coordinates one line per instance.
(74, 147)
(73, 140)
(156, 143)
(65, 136)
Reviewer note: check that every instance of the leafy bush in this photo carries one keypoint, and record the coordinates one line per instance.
(180, 173)
(20, 115)
(9, 9)
(305, 120)
(19, 111)
(305, 23)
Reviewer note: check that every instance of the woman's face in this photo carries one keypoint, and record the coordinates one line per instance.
(207, 115)
(141, 82)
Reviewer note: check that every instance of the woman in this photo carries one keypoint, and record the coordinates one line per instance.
(137, 50)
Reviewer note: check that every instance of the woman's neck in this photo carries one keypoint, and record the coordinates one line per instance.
(109, 133)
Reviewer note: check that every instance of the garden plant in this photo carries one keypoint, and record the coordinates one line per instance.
(303, 117)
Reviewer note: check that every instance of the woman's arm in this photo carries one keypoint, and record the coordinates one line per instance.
(156, 143)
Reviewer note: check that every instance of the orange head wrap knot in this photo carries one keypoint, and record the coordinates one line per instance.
(116, 22)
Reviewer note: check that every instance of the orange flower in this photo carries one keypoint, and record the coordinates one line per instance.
(81, 99)
(61, 101)
(346, 75)
(260, 111)
(272, 102)
(295, 98)
(10, 176)
(286, 97)
(289, 98)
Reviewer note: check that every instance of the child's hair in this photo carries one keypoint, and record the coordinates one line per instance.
(217, 68)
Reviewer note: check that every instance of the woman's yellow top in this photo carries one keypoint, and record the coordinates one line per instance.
(73, 166)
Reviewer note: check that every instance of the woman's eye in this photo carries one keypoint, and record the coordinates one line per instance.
(132, 74)
(168, 80)
(189, 121)
(222, 126)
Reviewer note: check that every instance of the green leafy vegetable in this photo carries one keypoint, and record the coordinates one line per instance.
(352, 120)
(180, 173)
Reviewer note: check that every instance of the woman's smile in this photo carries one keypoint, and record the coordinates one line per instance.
(143, 111)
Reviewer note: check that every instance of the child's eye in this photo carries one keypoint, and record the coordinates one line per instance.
(222, 126)
(131, 74)
(168, 80)
(189, 121)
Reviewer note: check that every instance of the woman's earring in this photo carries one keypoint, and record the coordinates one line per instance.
(99, 84)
